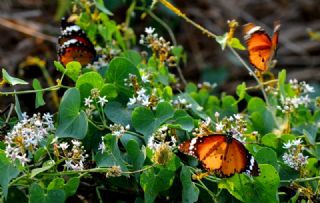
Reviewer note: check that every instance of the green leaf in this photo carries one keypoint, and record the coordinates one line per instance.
(37, 195)
(235, 43)
(118, 113)
(267, 156)
(263, 188)
(112, 155)
(153, 182)
(133, 56)
(100, 5)
(109, 90)
(222, 40)
(145, 122)
(260, 116)
(136, 156)
(190, 192)
(229, 105)
(281, 82)
(72, 122)
(87, 82)
(183, 119)
(118, 72)
(241, 91)
(73, 70)
(17, 107)
(56, 184)
(12, 80)
(46, 166)
(59, 66)
(71, 186)
(256, 104)
(8, 172)
(39, 94)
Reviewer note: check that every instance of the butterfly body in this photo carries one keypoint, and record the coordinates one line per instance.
(74, 45)
(261, 47)
(221, 154)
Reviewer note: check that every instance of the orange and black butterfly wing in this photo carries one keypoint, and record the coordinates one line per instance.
(74, 50)
(210, 150)
(238, 160)
(259, 46)
(74, 45)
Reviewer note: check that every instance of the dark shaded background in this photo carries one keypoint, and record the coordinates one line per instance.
(29, 28)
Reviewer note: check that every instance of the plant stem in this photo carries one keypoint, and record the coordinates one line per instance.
(250, 73)
(211, 35)
(53, 88)
(299, 180)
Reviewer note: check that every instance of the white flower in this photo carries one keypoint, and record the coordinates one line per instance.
(132, 101)
(219, 127)
(76, 143)
(145, 78)
(149, 30)
(88, 101)
(102, 100)
(127, 127)
(199, 108)
(308, 88)
(217, 114)
(238, 116)
(23, 159)
(102, 147)
(64, 145)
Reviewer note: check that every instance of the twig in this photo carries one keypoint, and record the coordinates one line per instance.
(24, 29)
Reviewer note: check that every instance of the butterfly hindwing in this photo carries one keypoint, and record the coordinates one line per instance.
(74, 50)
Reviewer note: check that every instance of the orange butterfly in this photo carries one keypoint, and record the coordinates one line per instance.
(74, 45)
(221, 154)
(260, 46)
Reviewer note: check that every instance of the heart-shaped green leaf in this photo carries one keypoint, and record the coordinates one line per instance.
(72, 121)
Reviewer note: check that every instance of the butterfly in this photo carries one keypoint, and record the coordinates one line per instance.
(222, 154)
(260, 46)
(74, 45)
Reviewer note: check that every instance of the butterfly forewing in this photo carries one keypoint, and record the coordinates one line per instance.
(74, 45)
(260, 47)
(211, 151)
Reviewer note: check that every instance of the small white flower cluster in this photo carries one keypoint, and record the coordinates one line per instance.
(91, 102)
(118, 129)
(74, 156)
(302, 90)
(114, 171)
(234, 124)
(88, 102)
(207, 85)
(26, 136)
(289, 105)
(102, 146)
(159, 45)
(131, 81)
(301, 87)
(203, 129)
(161, 137)
(294, 157)
(141, 98)
(101, 62)
(182, 103)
